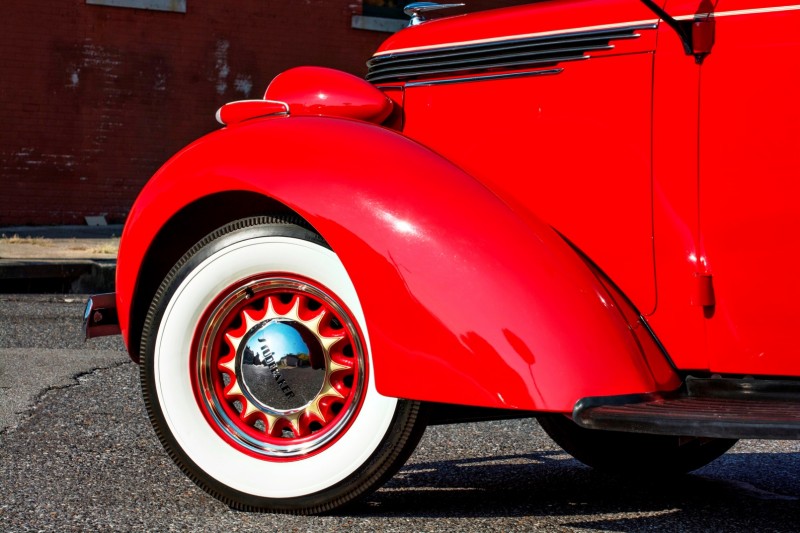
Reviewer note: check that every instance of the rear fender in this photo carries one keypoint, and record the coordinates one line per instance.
(466, 301)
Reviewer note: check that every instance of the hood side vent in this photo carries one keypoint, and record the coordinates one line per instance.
(497, 56)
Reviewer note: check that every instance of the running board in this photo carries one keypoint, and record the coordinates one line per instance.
(704, 407)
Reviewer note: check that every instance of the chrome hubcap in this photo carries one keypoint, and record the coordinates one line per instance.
(281, 367)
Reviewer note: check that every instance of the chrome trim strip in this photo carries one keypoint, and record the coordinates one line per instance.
(393, 76)
(649, 24)
(488, 77)
(285, 112)
(478, 62)
(755, 11)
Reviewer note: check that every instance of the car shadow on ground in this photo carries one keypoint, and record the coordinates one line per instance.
(760, 489)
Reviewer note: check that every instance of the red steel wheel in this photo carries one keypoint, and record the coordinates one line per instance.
(280, 367)
(255, 369)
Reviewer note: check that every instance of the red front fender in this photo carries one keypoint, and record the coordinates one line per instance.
(466, 301)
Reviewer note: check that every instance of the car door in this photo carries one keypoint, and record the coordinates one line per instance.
(749, 186)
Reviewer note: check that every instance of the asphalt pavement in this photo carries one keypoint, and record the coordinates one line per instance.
(77, 453)
(58, 259)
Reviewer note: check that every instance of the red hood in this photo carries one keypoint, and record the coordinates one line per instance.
(509, 23)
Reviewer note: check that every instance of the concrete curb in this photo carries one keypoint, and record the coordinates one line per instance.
(58, 259)
(74, 276)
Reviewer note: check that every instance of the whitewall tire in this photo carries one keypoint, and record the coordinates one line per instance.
(256, 371)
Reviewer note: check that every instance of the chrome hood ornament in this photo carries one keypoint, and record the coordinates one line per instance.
(416, 10)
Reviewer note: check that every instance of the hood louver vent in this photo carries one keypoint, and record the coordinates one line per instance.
(498, 56)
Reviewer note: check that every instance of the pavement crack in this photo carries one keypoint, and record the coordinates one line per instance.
(75, 380)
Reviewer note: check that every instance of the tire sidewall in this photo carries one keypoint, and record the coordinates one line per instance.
(217, 263)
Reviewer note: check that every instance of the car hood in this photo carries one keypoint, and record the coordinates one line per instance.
(518, 22)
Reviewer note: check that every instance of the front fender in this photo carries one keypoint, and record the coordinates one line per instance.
(466, 301)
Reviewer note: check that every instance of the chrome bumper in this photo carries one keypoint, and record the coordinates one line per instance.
(100, 316)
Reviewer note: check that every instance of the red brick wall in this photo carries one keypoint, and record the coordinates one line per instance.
(94, 99)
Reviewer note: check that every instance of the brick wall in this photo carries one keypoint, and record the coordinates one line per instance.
(96, 98)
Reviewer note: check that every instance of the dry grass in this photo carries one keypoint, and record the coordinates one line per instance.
(106, 249)
(16, 239)
(28, 247)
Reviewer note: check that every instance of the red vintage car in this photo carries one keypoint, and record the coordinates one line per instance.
(584, 211)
